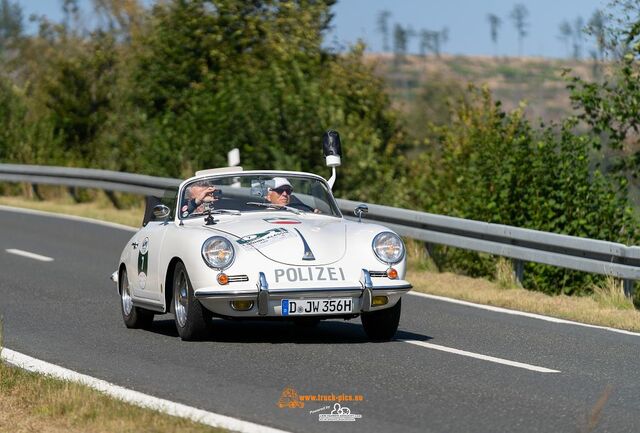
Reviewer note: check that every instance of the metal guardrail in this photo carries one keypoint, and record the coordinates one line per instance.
(521, 245)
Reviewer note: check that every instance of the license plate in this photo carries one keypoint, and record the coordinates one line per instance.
(300, 307)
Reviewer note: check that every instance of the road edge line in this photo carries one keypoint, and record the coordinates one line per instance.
(522, 313)
(133, 397)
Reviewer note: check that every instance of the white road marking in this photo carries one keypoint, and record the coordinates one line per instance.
(134, 397)
(522, 313)
(33, 256)
(480, 356)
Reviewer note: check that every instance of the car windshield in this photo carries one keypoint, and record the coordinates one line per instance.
(240, 193)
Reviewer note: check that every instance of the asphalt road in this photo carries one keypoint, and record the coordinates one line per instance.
(66, 311)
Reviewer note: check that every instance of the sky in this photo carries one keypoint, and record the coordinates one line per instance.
(466, 21)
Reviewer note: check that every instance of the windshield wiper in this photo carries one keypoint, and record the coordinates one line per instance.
(216, 212)
(275, 206)
(226, 211)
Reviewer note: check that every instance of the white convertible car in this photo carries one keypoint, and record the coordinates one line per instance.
(261, 245)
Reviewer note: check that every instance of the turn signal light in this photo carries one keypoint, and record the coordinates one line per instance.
(242, 305)
(379, 300)
(392, 273)
(223, 279)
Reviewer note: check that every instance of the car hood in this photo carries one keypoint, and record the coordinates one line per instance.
(289, 239)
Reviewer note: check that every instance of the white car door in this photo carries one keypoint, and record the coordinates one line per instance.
(145, 261)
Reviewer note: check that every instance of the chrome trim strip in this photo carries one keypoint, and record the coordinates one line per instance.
(402, 287)
(148, 305)
(263, 295)
(218, 294)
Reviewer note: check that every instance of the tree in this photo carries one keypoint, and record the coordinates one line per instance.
(610, 106)
(400, 40)
(11, 25)
(519, 15)
(382, 25)
(494, 25)
(432, 41)
(578, 28)
(596, 28)
(566, 33)
(491, 165)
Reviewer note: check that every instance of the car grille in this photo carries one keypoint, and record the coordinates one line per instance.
(378, 274)
(238, 278)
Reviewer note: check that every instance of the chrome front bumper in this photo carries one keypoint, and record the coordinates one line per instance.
(267, 300)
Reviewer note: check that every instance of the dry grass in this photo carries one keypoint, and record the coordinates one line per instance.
(588, 309)
(100, 209)
(35, 403)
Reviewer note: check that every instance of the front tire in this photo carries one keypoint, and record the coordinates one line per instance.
(134, 317)
(192, 319)
(382, 325)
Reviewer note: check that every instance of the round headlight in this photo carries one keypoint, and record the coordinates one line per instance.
(218, 252)
(388, 247)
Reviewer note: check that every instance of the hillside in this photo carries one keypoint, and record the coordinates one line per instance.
(537, 81)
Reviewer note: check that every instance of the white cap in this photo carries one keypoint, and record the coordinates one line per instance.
(280, 181)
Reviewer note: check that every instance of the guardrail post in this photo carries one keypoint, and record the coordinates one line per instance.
(518, 270)
(73, 192)
(112, 197)
(627, 286)
(36, 192)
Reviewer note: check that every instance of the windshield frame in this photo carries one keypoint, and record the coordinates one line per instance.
(257, 173)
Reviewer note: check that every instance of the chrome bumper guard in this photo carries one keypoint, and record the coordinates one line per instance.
(365, 291)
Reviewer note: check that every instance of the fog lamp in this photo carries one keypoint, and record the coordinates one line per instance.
(242, 305)
(379, 300)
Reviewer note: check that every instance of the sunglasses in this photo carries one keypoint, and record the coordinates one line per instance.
(282, 189)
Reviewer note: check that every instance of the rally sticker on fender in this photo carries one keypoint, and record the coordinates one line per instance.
(309, 273)
(260, 240)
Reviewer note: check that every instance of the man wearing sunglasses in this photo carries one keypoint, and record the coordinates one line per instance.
(280, 192)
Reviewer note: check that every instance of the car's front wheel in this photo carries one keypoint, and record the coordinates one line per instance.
(382, 325)
(192, 319)
(134, 317)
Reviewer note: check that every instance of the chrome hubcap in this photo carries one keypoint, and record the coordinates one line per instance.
(180, 299)
(127, 303)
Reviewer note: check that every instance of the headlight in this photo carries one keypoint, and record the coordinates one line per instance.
(217, 252)
(388, 247)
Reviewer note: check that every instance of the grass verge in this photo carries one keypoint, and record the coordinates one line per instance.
(101, 209)
(31, 402)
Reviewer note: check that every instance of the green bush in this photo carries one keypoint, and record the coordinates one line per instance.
(490, 165)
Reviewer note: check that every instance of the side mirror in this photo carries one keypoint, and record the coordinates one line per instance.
(360, 210)
(332, 148)
(161, 212)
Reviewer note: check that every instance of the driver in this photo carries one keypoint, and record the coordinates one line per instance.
(280, 192)
(197, 195)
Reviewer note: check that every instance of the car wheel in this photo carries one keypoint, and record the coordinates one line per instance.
(382, 325)
(192, 319)
(134, 317)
